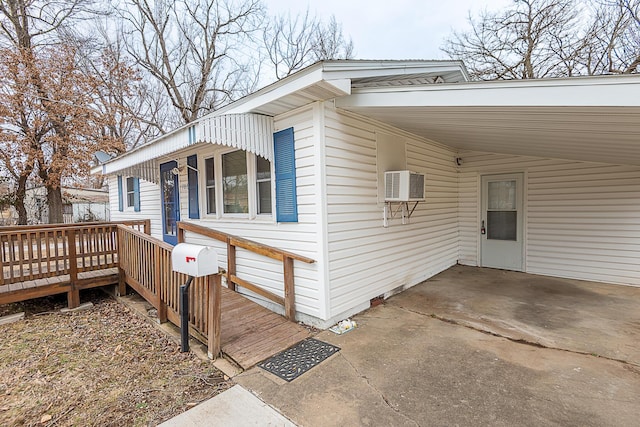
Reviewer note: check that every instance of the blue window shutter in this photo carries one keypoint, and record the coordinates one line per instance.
(136, 194)
(192, 179)
(285, 168)
(120, 195)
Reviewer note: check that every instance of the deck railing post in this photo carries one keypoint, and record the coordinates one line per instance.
(157, 273)
(289, 293)
(73, 296)
(147, 227)
(122, 278)
(231, 265)
(214, 316)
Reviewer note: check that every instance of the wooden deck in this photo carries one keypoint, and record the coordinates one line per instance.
(37, 261)
(251, 333)
(21, 291)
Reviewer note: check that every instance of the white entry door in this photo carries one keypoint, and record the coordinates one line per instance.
(501, 222)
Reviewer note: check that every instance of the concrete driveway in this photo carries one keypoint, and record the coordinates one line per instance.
(436, 355)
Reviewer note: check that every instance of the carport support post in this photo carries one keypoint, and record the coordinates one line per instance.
(184, 315)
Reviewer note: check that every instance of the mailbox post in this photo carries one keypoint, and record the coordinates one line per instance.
(194, 261)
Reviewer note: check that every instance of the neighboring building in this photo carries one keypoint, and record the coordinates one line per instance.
(541, 176)
(79, 205)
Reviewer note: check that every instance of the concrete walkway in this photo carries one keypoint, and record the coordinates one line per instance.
(405, 365)
(233, 407)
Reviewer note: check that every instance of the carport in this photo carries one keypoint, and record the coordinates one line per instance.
(548, 170)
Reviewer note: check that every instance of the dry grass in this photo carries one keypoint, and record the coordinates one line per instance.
(103, 366)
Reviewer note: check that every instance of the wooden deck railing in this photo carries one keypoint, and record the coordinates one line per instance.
(145, 265)
(68, 251)
(35, 253)
(234, 242)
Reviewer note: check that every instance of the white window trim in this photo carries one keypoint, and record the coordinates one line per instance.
(252, 191)
(272, 186)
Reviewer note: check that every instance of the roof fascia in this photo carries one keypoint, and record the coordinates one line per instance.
(576, 91)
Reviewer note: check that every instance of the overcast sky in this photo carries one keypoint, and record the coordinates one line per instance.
(393, 29)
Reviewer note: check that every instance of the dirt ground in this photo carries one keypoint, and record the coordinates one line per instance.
(104, 366)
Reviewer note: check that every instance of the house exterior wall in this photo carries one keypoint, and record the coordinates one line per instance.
(581, 219)
(150, 207)
(300, 238)
(365, 259)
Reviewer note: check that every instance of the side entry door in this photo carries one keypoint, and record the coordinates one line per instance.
(170, 202)
(501, 227)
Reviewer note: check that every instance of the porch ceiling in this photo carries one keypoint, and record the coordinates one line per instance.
(588, 119)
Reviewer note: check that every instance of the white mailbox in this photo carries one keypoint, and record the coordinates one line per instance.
(194, 260)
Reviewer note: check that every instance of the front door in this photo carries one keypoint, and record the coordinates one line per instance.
(501, 223)
(170, 202)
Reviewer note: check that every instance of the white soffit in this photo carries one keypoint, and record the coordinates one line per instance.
(591, 119)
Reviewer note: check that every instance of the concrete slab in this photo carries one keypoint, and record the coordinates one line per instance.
(233, 407)
(401, 367)
(11, 318)
(574, 315)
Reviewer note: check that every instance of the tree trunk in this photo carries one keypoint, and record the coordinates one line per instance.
(21, 192)
(54, 203)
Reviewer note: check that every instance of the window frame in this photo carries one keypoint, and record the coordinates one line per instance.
(252, 192)
(129, 193)
(257, 187)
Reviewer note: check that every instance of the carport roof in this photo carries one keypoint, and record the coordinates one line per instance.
(582, 118)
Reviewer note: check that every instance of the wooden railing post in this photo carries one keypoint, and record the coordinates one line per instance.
(214, 316)
(147, 227)
(180, 234)
(122, 277)
(73, 296)
(289, 292)
(157, 278)
(231, 265)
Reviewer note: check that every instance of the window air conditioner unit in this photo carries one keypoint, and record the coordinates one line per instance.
(403, 186)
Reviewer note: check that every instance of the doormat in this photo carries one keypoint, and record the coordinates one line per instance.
(295, 361)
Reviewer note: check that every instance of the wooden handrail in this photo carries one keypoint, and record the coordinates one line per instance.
(61, 226)
(233, 242)
(259, 248)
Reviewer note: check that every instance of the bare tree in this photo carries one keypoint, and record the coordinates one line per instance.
(531, 39)
(292, 43)
(198, 50)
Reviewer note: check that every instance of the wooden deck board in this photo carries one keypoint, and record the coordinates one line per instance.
(251, 333)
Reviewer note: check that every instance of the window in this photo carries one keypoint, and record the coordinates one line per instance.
(263, 185)
(130, 192)
(210, 185)
(235, 193)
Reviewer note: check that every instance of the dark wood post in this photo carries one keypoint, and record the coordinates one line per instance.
(231, 265)
(147, 227)
(214, 316)
(122, 277)
(73, 296)
(289, 292)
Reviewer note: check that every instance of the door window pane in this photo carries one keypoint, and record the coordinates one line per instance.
(234, 182)
(502, 195)
(168, 192)
(502, 225)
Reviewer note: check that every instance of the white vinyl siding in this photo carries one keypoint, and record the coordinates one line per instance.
(365, 259)
(300, 238)
(581, 218)
(149, 205)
